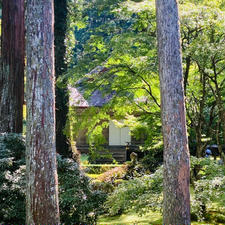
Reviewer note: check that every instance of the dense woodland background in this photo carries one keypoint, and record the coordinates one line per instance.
(127, 47)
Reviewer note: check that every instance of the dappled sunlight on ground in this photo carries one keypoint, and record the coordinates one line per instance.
(132, 218)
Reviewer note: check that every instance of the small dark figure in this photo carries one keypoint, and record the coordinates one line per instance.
(208, 153)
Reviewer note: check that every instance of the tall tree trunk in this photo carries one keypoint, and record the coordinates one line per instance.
(62, 98)
(199, 127)
(12, 66)
(186, 73)
(176, 205)
(42, 183)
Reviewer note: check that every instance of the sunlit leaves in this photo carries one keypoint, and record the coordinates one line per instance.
(121, 36)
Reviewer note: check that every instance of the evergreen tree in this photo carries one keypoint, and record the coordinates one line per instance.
(42, 183)
(62, 98)
(12, 66)
(176, 202)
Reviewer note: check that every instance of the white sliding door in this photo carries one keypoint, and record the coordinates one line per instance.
(118, 136)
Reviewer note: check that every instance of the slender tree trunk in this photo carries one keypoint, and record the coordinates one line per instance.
(176, 205)
(199, 149)
(221, 114)
(12, 66)
(62, 98)
(42, 182)
(186, 73)
(220, 104)
(199, 127)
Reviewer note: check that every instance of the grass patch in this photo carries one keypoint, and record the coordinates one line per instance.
(93, 176)
(132, 218)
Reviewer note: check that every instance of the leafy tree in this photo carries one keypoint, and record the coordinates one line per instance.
(117, 37)
(129, 53)
(200, 27)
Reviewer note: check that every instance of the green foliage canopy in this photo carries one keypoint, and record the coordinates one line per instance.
(121, 36)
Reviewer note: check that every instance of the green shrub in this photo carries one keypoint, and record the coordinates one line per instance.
(104, 187)
(153, 158)
(139, 194)
(79, 202)
(209, 186)
(144, 193)
(99, 168)
(114, 174)
(107, 181)
(12, 170)
(135, 169)
(84, 159)
(110, 179)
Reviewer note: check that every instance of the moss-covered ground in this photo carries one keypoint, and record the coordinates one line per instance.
(134, 219)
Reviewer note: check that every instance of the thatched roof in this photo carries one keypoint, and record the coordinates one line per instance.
(96, 99)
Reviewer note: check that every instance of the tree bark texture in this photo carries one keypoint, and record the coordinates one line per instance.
(42, 183)
(12, 66)
(176, 205)
(62, 98)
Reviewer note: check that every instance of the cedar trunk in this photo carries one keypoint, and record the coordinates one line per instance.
(176, 205)
(62, 98)
(42, 183)
(12, 66)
